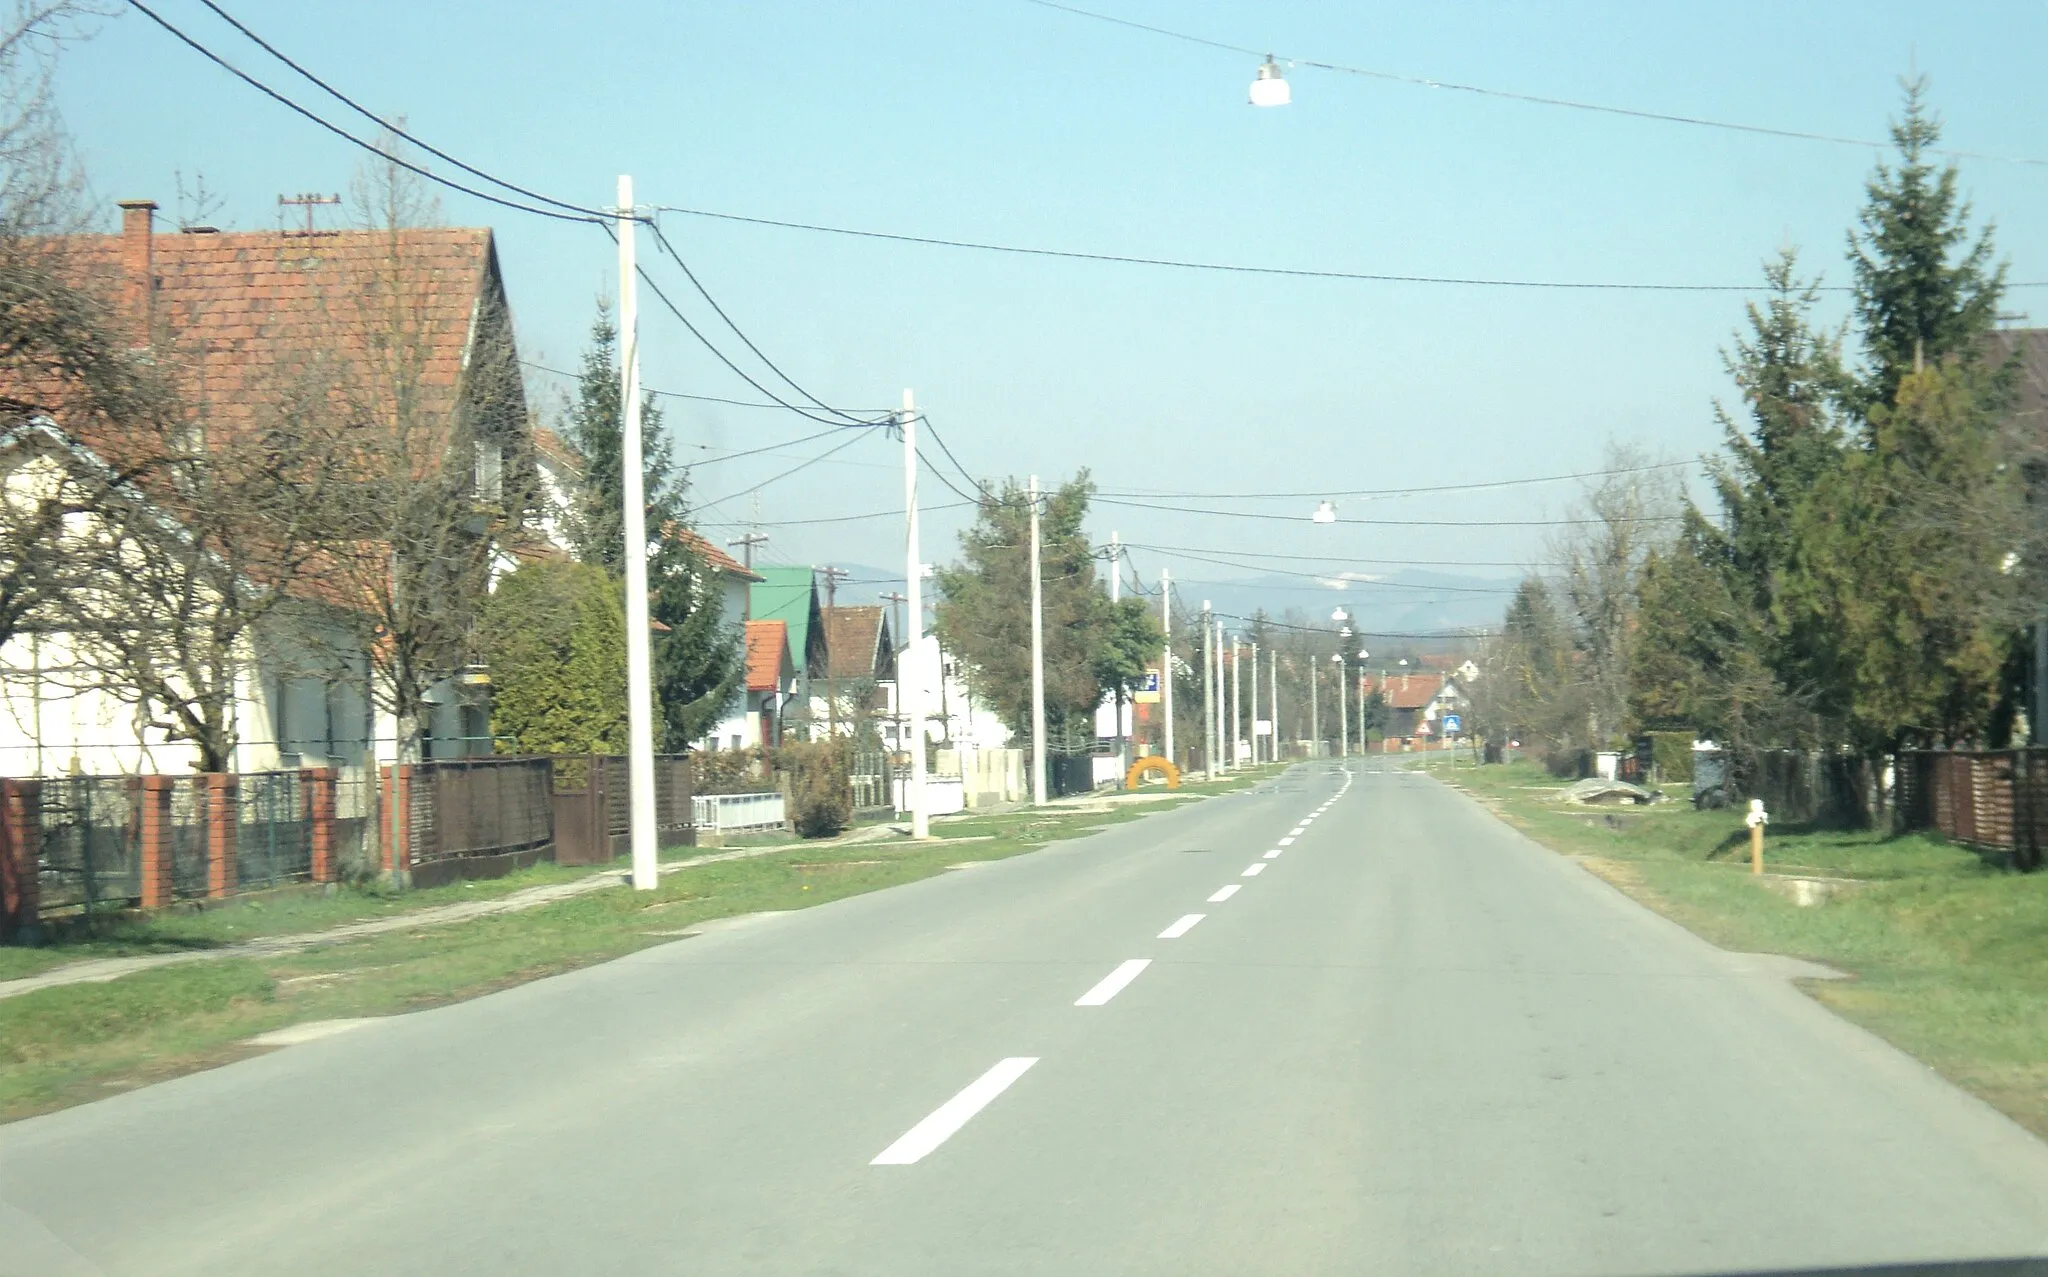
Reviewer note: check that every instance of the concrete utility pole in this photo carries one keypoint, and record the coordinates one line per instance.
(1273, 702)
(1343, 723)
(1166, 658)
(1238, 692)
(910, 682)
(1037, 661)
(1209, 768)
(1254, 705)
(1116, 699)
(639, 658)
(1315, 721)
(1226, 759)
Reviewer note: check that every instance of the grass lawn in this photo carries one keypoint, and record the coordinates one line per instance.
(74, 1043)
(1949, 953)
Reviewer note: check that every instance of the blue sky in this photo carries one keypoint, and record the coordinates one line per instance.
(1004, 121)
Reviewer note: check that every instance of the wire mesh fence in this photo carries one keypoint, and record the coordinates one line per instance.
(274, 830)
(89, 842)
(191, 851)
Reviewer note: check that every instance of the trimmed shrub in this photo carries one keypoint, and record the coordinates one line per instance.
(819, 781)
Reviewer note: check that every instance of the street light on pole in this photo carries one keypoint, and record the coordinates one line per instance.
(639, 658)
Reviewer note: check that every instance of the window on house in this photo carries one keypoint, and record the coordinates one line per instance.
(490, 469)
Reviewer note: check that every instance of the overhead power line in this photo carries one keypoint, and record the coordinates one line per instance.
(805, 464)
(1370, 493)
(561, 210)
(973, 481)
(1474, 632)
(893, 512)
(1417, 81)
(352, 139)
(381, 122)
(678, 394)
(1243, 268)
(1345, 560)
(1383, 523)
(1348, 582)
(741, 373)
(661, 241)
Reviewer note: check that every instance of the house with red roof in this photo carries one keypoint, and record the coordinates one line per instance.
(234, 318)
(771, 681)
(1416, 706)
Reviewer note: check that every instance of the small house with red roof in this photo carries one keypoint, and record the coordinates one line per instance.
(771, 681)
(1416, 705)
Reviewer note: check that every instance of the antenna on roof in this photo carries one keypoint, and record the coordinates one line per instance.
(309, 203)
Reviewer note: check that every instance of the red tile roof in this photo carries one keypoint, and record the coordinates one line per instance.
(243, 311)
(853, 641)
(1408, 691)
(767, 655)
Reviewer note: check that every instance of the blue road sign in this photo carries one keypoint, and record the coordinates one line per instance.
(1453, 724)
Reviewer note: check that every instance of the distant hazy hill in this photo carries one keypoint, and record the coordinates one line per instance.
(1408, 601)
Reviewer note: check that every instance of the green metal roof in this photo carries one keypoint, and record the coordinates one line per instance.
(790, 595)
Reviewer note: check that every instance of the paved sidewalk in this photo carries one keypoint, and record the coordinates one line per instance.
(100, 970)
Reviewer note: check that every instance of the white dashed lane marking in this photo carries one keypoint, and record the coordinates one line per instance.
(955, 1113)
(1255, 869)
(1182, 927)
(1113, 983)
(1225, 893)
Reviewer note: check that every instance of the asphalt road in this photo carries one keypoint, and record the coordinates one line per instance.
(1410, 1042)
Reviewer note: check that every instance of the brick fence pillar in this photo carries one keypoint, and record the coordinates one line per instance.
(223, 818)
(21, 853)
(397, 798)
(318, 783)
(153, 838)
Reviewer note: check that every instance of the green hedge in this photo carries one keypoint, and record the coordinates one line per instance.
(1672, 754)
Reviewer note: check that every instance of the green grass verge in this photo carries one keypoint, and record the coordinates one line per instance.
(75, 1043)
(1949, 953)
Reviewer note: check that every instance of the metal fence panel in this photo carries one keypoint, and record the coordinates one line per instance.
(274, 830)
(90, 842)
(733, 813)
(191, 858)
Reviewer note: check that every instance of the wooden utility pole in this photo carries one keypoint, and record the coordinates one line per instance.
(308, 203)
(832, 578)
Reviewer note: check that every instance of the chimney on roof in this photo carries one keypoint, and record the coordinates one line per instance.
(138, 266)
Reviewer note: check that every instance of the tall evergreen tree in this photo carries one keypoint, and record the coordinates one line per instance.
(1926, 291)
(1905, 545)
(596, 517)
(697, 657)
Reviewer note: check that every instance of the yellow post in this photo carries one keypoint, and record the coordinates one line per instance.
(1756, 819)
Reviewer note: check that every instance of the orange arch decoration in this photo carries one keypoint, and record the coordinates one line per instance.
(1149, 764)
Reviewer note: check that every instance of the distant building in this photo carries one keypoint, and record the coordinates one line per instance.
(771, 678)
